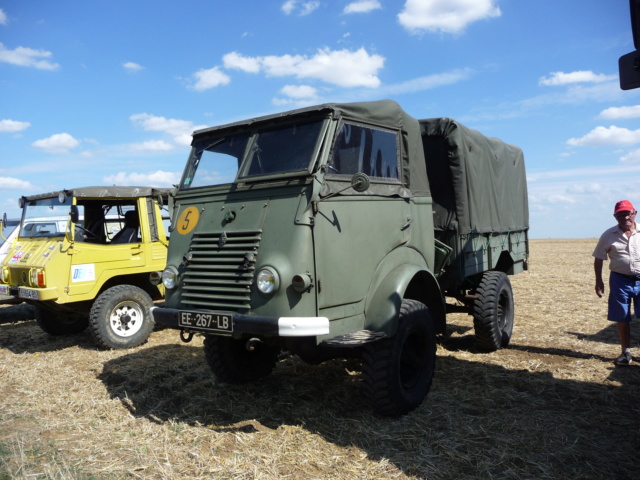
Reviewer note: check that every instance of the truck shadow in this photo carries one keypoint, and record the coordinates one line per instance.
(27, 337)
(475, 413)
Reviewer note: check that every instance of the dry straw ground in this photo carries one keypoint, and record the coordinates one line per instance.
(552, 406)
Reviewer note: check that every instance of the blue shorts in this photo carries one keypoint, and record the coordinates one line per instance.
(622, 292)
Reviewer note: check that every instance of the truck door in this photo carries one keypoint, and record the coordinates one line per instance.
(354, 232)
(115, 245)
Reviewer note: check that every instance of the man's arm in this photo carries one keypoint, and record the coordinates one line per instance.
(597, 268)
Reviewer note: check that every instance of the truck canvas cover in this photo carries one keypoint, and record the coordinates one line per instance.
(485, 188)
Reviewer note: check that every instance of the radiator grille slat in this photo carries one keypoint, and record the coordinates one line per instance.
(220, 271)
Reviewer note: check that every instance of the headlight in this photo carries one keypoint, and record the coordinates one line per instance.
(4, 274)
(169, 278)
(267, 280)
(37, 278)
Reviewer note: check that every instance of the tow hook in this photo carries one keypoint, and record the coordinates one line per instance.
(253, 343)
(186, 336)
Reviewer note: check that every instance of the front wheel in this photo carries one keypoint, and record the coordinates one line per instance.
(120, 317)
(398, 371)
(237, 360)
(493, 311)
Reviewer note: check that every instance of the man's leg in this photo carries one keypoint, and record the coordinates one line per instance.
(624, 333)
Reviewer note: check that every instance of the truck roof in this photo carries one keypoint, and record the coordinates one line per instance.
(105, 192)
(381, 113)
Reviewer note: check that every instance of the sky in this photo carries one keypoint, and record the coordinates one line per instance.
(108, 92)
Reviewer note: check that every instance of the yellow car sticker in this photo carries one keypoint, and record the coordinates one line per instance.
(187, 220)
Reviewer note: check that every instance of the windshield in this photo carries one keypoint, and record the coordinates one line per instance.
(273, 151)
(46, 217)
(215, 161)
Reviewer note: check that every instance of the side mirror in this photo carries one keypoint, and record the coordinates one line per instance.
(629, 64)
(4, 225)
(73, 213)
(360, 182)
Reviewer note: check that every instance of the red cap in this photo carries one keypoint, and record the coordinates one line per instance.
(623, 206)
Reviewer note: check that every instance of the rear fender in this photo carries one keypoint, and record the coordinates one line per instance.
(405, 281)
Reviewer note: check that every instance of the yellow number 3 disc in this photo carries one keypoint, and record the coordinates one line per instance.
(187, 220)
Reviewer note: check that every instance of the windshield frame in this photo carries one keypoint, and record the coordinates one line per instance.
(253, 132)
(61, 217)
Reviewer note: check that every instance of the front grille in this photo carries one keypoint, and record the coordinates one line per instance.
(220, 269)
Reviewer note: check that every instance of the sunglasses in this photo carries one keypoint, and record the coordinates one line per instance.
(624, 214)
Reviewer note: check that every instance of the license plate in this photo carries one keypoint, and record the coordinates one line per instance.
(28, 293)
(206, 321)
(4, 290)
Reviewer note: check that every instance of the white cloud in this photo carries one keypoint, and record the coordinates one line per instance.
(132, 67)
(151, 146)
(236, 61)
(362, 6)
(632, 157)
(157, 179)
(301, 8)
(427, 82)
(621, 112)
(10, 183)
(584, 188)
(27, 57)
(3, 17)
(179, 130)
(210, 78)
(344, 68)
(12, 126)
(299, 91)
(448, 16)
(613, 135)
(581, 76)
(58, 143)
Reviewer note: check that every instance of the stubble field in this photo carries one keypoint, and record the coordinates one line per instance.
(551, 406)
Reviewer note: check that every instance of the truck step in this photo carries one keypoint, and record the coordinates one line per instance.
(354, 339)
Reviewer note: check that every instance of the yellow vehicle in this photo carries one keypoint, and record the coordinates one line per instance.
(86, 257)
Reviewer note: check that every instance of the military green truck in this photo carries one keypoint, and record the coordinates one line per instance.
(83, 258)
(339, 230)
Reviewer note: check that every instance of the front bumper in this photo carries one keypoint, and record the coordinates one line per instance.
(247, 324)
(27, 293)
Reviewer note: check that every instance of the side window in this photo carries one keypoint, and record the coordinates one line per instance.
(365, 149)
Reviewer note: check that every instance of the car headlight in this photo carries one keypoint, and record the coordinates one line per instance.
(267, 280)
(37, 278)
(169, 278)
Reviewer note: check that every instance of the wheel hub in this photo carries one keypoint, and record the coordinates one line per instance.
(126, 319)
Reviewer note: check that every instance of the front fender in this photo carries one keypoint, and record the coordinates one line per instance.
(382, 309)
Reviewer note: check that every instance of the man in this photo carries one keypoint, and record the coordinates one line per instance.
(622, 245)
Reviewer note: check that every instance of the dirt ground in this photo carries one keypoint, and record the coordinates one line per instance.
(551, 406)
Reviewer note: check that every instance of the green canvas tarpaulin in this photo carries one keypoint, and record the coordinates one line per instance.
(480, 182)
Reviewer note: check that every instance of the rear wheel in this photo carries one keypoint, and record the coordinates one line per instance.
(56, 322)
(120, 317)
(398, 371)
(239, 361)
(493, 311)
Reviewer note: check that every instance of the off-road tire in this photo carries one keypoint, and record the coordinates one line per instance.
(493, 312)
(120, 317)
(60, 323)
(231, 361)
(398, 371)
